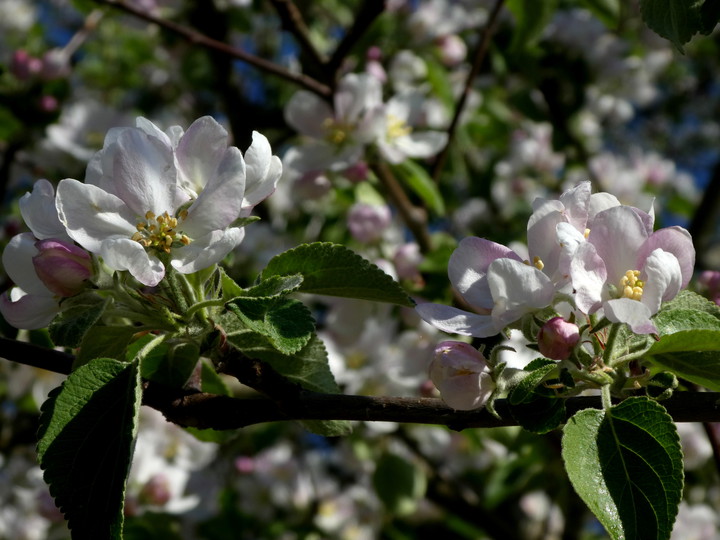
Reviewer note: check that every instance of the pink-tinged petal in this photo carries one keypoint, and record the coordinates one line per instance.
(631, 312)
(28, 311)
(517, 289)
(207, 250)
(218, 205)
(588, 275)
(17, 261)
(306, 112)
(263, 171)
(617, 234)
(648, 220)
(569, 239)
(39, 212)
(599, 202)
(675, 240)
(126, 254)
(467, 269)
(92, 215)
(456, 321)
(200, 151)
(662, 279)
(62, 267)
(576, 201)
(543, 240)
(144, 173)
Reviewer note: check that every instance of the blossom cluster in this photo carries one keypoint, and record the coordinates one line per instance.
(588, 257)
(151, 199)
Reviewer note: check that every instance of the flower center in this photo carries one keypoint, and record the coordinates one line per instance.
(160, 232)
(631, 285)
(397, 127)
(337, 132)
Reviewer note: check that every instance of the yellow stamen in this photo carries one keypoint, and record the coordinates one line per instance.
(159, 232)
(397, 127)
(586, 233)
(631, 285)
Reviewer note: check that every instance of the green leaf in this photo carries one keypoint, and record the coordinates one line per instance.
(531, 17)
(540, 412)
(626, 464)
(171, 364)
(308, 368)
(399, 483)
(87, 432)
(678, 20)
(421, 183)
(538, 369)
(210, 380)
(287, 323)
(104, 342)
(274, 286)
(68, 328)
(334, 270)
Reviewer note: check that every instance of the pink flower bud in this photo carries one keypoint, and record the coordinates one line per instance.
(62, 267)
(452, 49)
(557, 338)
(312, 185)
(156, 491)
(461, 374)
(357, 173)
(368, 221)
(406, 260)
(49, 104)
(24, 66)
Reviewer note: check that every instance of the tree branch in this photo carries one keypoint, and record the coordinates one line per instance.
(479, 58)
(369, 11)
(292, 21)
(200, 39)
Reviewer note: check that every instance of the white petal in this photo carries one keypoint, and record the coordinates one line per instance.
(207, 250)
(456, 321)
(466, 392)
(663, 279)
(306, 112)
(144, 173)
(576, 201)
(263, 170)
(146, 126)
(200, 151)
(617, 234)
(356, 94)
(126, 254)
(39, 212)
(599, 202)
(588, 274)
(17, 260)
(218, 205)
(28, 311)
(92, 215)
(421, 144)
(517, 289)
(675, 240)
(635, 314)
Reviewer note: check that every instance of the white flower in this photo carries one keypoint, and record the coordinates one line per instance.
(150, 195)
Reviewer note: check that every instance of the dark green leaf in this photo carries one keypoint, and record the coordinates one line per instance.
(170, 364)
(540, 411)
(676, 20)
(274, 286)
(287, 323)
(537, 370)
(421, 183)
(627, 466)
(399, 483)
(531, 17)
(608, 11)
(68, 328)
(87, 432)
(334, 270)
(104, 342)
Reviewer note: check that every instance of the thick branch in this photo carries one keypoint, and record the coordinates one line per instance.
(200, 39)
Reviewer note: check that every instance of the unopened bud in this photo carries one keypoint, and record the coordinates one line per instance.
(62, 267)
(557, 338)
(156, 491)
(368, 221)
(462, 376)
(23, 65)
(452, 49)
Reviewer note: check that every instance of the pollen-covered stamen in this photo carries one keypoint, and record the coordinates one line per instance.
(586, 233)
(160, 232)
(397, 127)
(537, 262)
(337, 132)
(631, 285)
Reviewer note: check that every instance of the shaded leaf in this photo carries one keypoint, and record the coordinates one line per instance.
(68, 328)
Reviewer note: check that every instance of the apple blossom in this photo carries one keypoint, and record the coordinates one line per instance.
(367, 222)
(461, 374)
(627, 270)
(174, 196)
(62, 267)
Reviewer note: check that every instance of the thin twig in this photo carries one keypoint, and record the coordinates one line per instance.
(293, 22)
(370, 10)
(200, 39)
(479, 58)
(415, 217)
